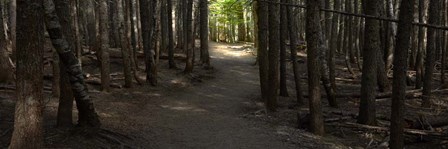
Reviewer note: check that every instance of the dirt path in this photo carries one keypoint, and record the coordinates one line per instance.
(207, 115)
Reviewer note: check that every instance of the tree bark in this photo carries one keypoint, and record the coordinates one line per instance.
(263, 47)
(86, 115)
(146, 13)
(293, 47)
(283, 37)
(400, 72)
(64, 118)
(28, 113)
(125, 34)
(188, 35)
(434, 11)
(367, 111)
(274, 49)
(205, 56)
(313, 33)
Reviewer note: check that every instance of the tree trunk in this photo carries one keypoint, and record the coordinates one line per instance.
(367, 111)
(104, 48)
(333, 44)
(400, 72)
(125, 37)
(188, 35)
(434, 11)
(263, 47)
(313, 33)
(12, 27)
(6, 75)
(28, 113)
(293, 47)
(86, 115)
(205, 57)
(283, 38)
(172, 63)
(274, 49)
(64, 118)
(147, 20)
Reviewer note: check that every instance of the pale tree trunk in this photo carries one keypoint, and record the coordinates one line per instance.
(6, 75)
(172, 63)
(400, 72)
(313, 29)
(28, 113)
(87, 116)
(89, 13)
(12, 27)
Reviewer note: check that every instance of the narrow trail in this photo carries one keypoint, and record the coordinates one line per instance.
(207, 115)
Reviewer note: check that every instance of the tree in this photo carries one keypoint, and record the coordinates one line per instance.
(87, 116)
(274, 49)
(65, 118)
(104, 48)
(434, 11)
(313, 33)
(125, 34)
(369, 72)
(146, 13)
(7, 75)
(284, 32)
(263, 47)
(400, 72)
(293, 47)
(28, 114)
(188, 34)
(172, 63)
(205, 57)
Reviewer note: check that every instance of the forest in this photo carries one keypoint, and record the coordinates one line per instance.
(274, 74)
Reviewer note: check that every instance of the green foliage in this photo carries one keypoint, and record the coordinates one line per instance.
(227, 11)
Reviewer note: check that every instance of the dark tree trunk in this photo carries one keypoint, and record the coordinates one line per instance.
(147, 20)
(125, 37)
(333, 44)
(205, 57)
(434, 11)
(28, 113)
(313, 33)
(188, 35)
(274, 49)
(367, 111)
(400, 73)
(293, 47)
(86, 115)
(64, 119)
(421, 47)
(283, 37)
(263, 47)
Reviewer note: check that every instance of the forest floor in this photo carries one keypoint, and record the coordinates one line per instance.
(211, 108)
